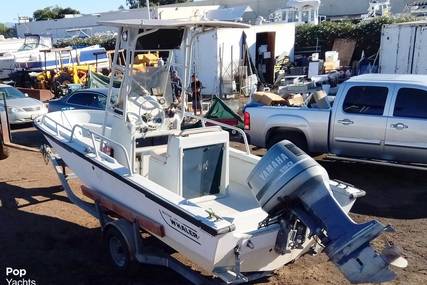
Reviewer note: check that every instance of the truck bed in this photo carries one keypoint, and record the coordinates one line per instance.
(313, 122)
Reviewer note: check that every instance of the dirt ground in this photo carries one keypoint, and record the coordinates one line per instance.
(57, 243)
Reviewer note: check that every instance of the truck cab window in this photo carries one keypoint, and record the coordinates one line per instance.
(367, 100)
(411, 103)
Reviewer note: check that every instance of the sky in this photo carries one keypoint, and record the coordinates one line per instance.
(11, 9)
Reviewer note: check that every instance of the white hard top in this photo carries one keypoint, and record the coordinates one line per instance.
(170, 24)
(378, 77)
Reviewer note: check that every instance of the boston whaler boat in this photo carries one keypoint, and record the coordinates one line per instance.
(233, 214)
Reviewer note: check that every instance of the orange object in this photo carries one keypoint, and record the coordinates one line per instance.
(144, 222)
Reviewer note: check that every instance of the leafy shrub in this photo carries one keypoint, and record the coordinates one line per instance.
(106, 41)
(367, 34)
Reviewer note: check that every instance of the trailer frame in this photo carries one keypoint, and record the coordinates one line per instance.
(130, 230)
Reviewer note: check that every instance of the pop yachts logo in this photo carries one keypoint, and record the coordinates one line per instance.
(17, 276)
(180, 227)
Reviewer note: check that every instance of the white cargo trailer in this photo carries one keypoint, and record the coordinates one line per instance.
(404, 48)
(217, 53)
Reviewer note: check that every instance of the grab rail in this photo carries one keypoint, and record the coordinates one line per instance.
(104, 138)
(204, 120)
(93, 136)
(56, 124)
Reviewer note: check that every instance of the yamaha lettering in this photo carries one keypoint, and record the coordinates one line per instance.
(282, 163)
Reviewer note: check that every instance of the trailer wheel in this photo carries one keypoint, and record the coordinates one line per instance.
(118, 249)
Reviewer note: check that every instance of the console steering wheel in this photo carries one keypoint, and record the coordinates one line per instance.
(151, 113)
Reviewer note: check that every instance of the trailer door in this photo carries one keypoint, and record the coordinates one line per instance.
(420, 52)
(397, 49)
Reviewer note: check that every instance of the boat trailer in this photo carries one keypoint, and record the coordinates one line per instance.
(121, 229)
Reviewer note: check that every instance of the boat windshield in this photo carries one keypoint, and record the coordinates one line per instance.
(34, 41)
(150, 80)
(149, 77)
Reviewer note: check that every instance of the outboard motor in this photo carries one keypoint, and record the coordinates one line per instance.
(287, 182)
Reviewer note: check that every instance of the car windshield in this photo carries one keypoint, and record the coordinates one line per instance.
(10, 93)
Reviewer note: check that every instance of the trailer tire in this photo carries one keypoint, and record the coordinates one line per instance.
(118, 250)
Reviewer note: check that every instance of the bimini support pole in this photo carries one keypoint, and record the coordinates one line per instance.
(110, 84)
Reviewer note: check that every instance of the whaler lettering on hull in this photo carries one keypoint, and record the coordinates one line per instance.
(180, 227)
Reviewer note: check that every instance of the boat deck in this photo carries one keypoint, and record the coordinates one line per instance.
(238, 207)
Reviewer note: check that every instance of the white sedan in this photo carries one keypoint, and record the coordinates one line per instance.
(20, 107)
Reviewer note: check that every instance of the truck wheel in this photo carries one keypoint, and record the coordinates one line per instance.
(296, 138)
(118, 250)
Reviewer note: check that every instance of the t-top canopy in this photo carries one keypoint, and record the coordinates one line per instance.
(170, 24)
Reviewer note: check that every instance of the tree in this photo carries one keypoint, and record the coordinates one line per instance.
(132, 4)
(7, 32)
(50, 13)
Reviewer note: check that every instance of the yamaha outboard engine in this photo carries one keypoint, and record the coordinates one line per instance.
(289, 182)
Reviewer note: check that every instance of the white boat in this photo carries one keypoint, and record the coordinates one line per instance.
(9, 45)
(37, 54)
(7, 48)
(228, 211)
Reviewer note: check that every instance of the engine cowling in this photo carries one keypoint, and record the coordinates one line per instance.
(286, 180)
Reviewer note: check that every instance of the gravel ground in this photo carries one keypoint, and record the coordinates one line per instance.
(57, 243)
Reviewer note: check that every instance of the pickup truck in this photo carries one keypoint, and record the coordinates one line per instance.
(373, 116)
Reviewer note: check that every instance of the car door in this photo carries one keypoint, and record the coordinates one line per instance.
(358, 125)
(86, 100)
(406, 134)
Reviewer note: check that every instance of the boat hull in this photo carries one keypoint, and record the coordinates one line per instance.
(52, 60)
(184, 234)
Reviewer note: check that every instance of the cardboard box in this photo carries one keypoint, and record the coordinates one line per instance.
(269, 99)
(295, 100)
(331, 65)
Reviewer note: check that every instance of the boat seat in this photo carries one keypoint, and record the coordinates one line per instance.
(188, 132)
(96, 128)
(193, 164)
(150, 156)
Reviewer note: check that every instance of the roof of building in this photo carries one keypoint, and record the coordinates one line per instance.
(169, 24)
(330, 8)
